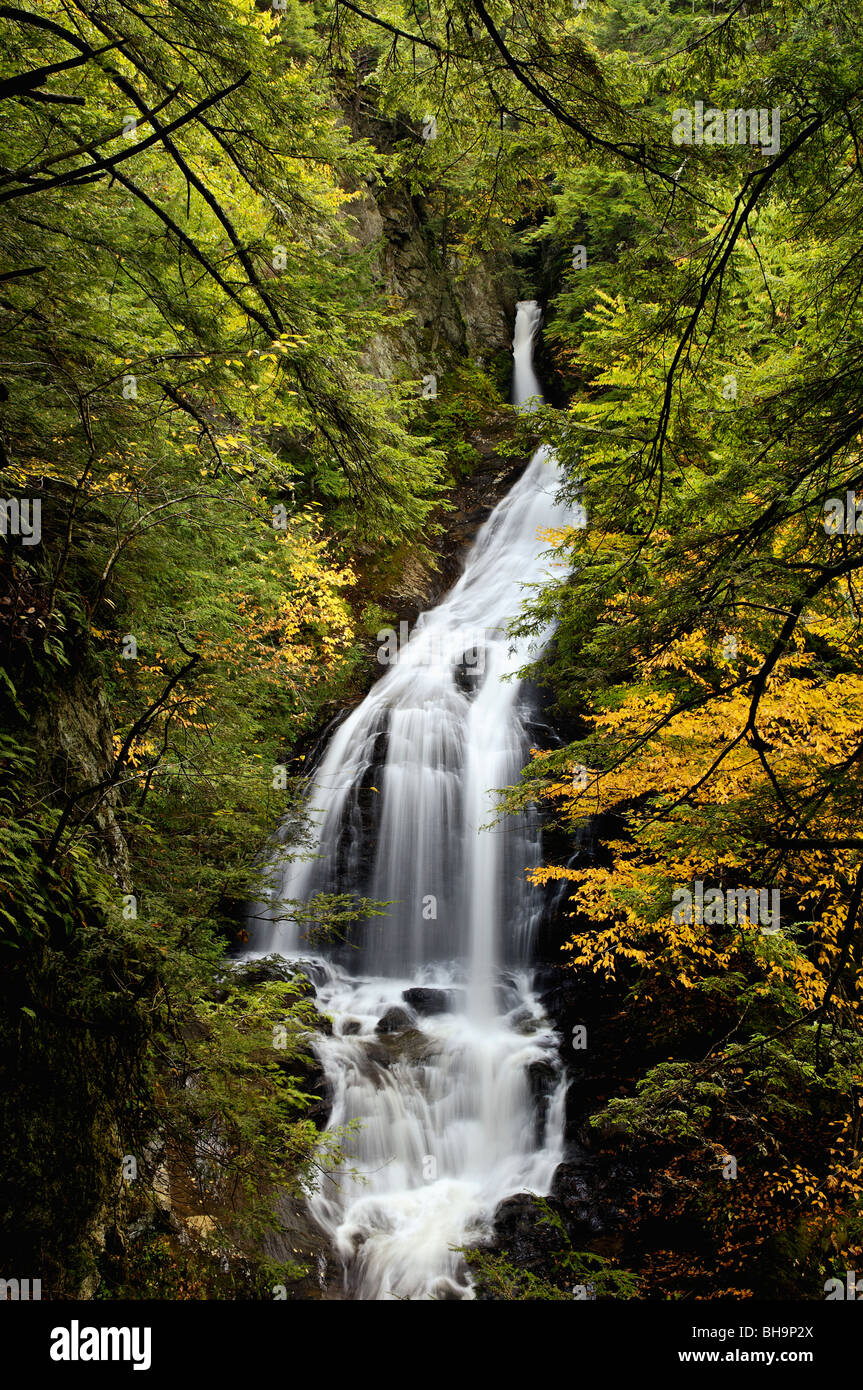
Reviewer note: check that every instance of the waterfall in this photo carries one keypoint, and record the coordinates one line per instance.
(439, 1048)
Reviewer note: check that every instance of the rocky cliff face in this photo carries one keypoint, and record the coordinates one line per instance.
(74, 734)
(456, 309)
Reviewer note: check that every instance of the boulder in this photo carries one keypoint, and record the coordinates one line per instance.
(542, 1079)
(408, 1045)
(523, 1021)
(520, 1229)
(573, 1186)
(430, 1001)
(312, 970)
(323, 1024)
(394, 1020)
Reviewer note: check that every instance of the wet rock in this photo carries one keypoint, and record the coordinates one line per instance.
(574, 1187)
(523, 1234)
(409, 1045)
(323, 1024)
(506, 996)
(523, 1021)
(468, 672)
(564, 1002)
(521, 1230)
(350, 1027)
(312, 970)
(301, 1242)
(569, 1184)
(430, 1001)
(394, 1020)
(542, 1079)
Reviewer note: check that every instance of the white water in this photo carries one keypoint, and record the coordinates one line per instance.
(449, 1127)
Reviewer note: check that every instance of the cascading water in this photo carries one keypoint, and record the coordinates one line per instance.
(452, 1119)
